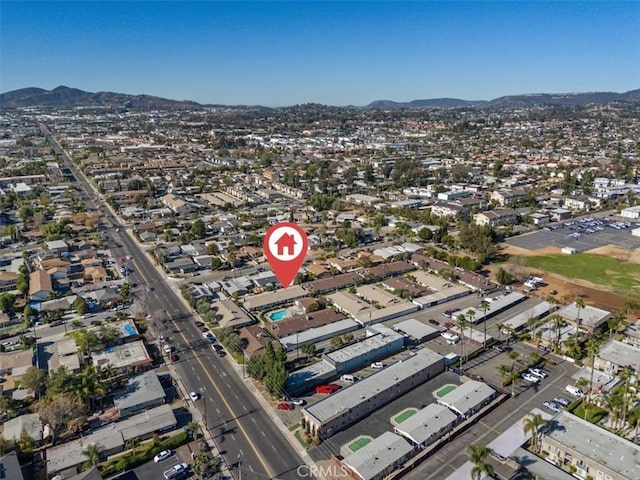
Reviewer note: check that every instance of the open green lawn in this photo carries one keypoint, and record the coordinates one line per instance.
(408, 413)
(595, 414)
(444, 390)
(598, 269)
(359, 443)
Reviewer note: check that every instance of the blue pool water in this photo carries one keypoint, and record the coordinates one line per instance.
(129, 330)
(278, 315)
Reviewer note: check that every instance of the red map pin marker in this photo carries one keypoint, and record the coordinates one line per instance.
(285, 246)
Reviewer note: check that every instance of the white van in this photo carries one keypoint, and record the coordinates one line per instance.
(348, 379)
(573, 390)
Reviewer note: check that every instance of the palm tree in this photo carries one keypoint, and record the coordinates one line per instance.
(92, 452)
(478, 455)
(513, 377)
(558, 323)
(513, 355)
(501, 326)
(461, 323)
(614, 322)
(625, 375)
(503, 371)
(592, 352)
(532, 423)
(484, 305)
(579, 306)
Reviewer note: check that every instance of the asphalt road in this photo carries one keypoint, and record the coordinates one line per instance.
(243, 430)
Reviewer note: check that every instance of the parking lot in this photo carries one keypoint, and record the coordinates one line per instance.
(155, 471)
(582, 234)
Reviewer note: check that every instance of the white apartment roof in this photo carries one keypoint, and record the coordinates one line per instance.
(467, 396)
(502, 303)
(313, 334)
(599, 445)
(349, 398)
(513, 437)
(429, 421)
(378, 338)
(415, 328)
(375, 457)
(140, 389)
(309, 375)
(521, 319)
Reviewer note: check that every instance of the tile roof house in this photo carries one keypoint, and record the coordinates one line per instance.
(40, 285)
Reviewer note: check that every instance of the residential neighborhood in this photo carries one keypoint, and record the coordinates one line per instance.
(468, 302)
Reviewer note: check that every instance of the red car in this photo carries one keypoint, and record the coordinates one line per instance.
(203, 328)
(327, 389)
(285, 406)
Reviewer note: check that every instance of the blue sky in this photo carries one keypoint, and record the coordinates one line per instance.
(337, 53)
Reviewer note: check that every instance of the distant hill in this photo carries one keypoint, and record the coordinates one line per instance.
(429, 103)
(72, 97)
(515, 101)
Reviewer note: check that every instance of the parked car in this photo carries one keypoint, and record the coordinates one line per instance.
(530, 378)
(433, 321)
(327, 389)
(216, 347)
(209, 337)
(299, 402)
(538, 372)
(203, 328)
(174, 357)
(163, 455)
(200, 324)
(499, 348)
(377, 365)
(285, 406)
(553, 406)
(562, 401)
(167, 348)
(194, 396)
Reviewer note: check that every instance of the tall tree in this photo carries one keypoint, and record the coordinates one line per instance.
(478, 455)
(461, 323)
(579, 306)
(532, 423)
(592, 352)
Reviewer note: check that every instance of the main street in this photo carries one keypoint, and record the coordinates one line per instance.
(245, 433)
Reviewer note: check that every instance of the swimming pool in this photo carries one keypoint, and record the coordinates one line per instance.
(278, 315)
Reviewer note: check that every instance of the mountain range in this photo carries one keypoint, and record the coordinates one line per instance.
(73, 97)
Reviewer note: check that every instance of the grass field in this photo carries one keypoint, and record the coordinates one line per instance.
(359, 443)
(444, 390)
(408, 413)
(619, 276)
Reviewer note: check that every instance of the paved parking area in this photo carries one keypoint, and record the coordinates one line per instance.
(566, 236)
(154, 471)
(452, 455)
(380, 421)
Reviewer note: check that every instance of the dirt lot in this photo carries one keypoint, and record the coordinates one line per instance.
(566, 289)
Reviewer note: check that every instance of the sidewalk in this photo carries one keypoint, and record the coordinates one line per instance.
(295, 445)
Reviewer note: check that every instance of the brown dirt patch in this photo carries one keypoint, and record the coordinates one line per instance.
(513, 250)
(567, 290)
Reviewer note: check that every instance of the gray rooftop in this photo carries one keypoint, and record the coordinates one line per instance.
(378, 338)
(540, 467)
(467, 396)
(10, 467)
(313, 334)
(139, 390)
(31, 424)
(348, 398)
(427, 422)
(110, 438)
(590, 317)
(620, 353)
(375, 457)
(310, 376)
(505, 301)
(597, 444)
(521, 319)
(513, 437)
(415, 328)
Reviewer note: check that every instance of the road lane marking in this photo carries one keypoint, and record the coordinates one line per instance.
(266, 468)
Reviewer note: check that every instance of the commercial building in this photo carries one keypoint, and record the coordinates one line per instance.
(428, 425)
(592, 451)
(345, 407)
(495, 306)
(379, 457)
(318, 334)
(468, 398)
(417, 330)
(591, 318)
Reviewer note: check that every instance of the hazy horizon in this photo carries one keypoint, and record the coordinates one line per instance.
(333, 53)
